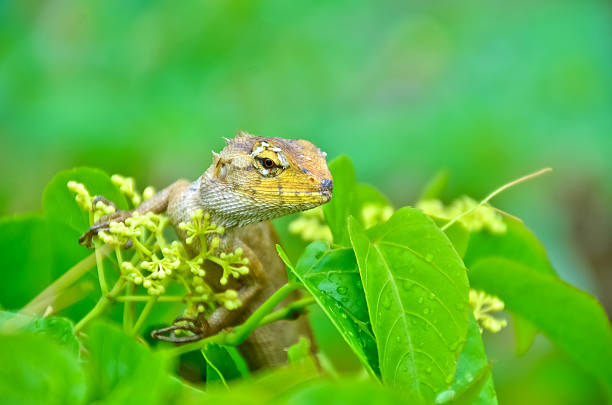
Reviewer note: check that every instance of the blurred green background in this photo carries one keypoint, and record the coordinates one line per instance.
(489, 90)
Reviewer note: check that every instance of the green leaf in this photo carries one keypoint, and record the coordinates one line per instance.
(61, 330)
(120, 369)
(262, 388)
(285, 258)
(58, 202)
(37, 370)
(338, 209)
(223, 363)
(348, 392)
(457, 233)
(435, 186)
(300, 354)
(524, 334)
(332, 277)
(37, 251)
(472, 362)
(417, 294)
(520, 245)
(299, 351)
(571, 318)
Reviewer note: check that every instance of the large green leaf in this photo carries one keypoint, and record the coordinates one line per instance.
(37, 370)
(223, 363)
(119, 369)
(571, 318)
(343, 392)
(332, 277)
(338, 209)
(471, 363)
(417, 294)
(59, 204)
(35, 252)
(57, 328)
(519, 244)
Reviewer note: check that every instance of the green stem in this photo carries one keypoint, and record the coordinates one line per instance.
(288, 312)
(128, 310)
(241, 332)
(161, 298)
(145, 312)
(494, 193)
(100, 266)
(101, 305)
(42, 300)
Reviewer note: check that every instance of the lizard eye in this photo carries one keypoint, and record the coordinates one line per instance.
(268, 163)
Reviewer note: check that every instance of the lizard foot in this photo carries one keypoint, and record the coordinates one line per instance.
(192, 325)
(103, 224)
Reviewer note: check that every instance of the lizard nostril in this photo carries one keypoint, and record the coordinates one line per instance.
(327, 184)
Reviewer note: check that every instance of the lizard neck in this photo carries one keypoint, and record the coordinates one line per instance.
(231, 208)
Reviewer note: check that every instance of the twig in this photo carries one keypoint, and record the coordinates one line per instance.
(241, 332)
(101, 305)
(42, 300)
(494, 193)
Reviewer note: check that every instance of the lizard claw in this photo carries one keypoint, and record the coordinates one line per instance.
(103, 223)
(193, 325)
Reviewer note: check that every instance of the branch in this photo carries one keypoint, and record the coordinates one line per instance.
(263, 315)
(494, 193)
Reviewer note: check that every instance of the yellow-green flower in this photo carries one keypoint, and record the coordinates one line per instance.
(483, 217)
(483, 305)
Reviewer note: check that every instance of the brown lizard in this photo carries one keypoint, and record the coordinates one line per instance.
(251, 181)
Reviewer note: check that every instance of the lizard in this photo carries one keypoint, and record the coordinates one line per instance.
(252, 180)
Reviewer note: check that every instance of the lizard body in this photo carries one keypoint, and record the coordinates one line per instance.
(252, 180)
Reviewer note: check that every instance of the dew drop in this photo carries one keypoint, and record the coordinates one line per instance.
(407, 285)
(428, 370)
(342, 290)
(398, 339)
(449, 379)
(445, 396)
(428, 257)
(386, 302)
(420, 300)
(425, 311)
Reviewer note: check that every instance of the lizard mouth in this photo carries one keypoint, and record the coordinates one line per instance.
(327, 187)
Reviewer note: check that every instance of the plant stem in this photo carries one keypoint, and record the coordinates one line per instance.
(241, 332)
(145, 312)
(288, 312)
(494, 193)
(128, 310)
(100, 266)
(161, 298)
(42, 300)
(101, 305)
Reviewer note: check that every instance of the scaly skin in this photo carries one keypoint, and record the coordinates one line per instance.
(253, 179)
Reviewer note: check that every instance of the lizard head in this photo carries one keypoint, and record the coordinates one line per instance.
(261, 178)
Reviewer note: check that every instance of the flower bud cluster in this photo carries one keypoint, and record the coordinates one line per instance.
(483, 305)
(483, 217)
(153, 264)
